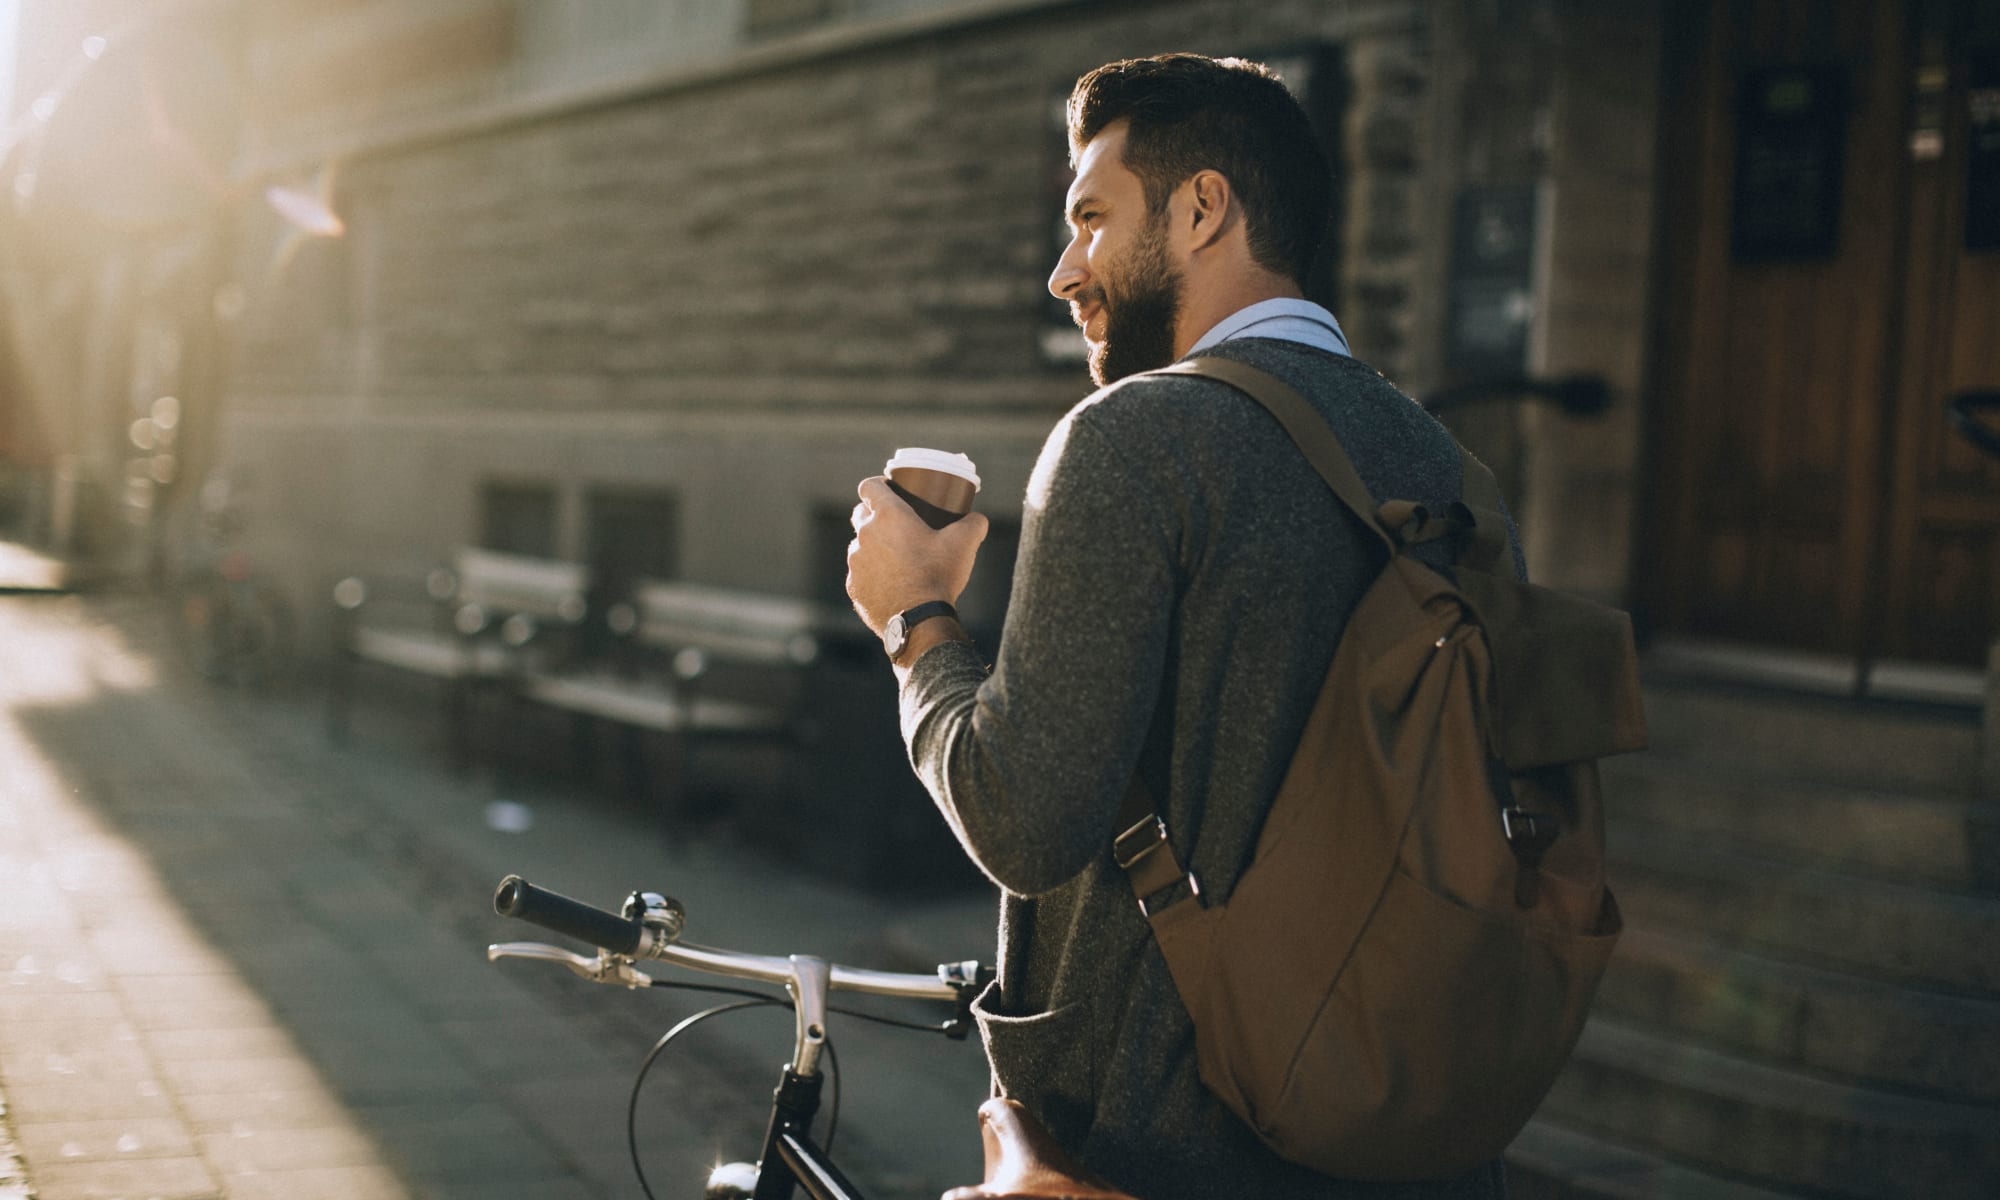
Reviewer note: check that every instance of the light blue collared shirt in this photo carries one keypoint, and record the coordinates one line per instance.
(1291, 320)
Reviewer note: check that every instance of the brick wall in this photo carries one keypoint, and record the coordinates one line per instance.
(1582, 483)
(773, 275)
(1561, 96)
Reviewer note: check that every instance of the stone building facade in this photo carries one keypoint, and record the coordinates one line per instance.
(722, 288)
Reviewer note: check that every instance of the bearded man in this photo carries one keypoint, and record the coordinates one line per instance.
(1183, 579)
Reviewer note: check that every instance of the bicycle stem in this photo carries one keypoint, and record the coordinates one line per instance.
(808, 984)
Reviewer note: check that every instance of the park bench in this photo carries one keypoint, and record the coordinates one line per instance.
(490, 620)
(693, 662)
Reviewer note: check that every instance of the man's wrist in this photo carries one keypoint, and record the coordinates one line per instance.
(896, 631)
(926, 637)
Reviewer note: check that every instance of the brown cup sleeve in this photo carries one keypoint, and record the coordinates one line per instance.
(935, 517)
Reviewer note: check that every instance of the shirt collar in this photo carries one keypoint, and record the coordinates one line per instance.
(1290, 319)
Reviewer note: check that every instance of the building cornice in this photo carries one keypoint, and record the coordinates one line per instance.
(414, 131)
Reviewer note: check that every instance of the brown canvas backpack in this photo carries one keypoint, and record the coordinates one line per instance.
(1407, 962)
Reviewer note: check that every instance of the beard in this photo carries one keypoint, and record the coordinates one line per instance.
(1139, 325)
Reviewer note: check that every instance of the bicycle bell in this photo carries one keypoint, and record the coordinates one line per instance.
(655, 911)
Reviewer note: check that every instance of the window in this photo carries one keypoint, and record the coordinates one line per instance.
(518, 518)
(634, 535)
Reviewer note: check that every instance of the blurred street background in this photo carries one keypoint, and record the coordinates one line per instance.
(427, 435)
(236, 960)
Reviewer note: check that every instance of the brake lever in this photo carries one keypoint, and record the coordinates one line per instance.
(605, 968)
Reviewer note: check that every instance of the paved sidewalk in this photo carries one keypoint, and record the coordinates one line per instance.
(238, 962)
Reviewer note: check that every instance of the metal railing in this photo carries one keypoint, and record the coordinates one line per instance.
(1963, 411)
(1576, 395)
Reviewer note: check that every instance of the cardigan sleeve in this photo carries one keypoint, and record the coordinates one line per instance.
(1029, 764)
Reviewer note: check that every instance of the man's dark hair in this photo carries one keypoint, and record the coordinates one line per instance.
(1190, 113)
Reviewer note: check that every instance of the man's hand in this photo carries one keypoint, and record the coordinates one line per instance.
(896, 562)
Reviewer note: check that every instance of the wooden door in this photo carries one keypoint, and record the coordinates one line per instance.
(1941, 561)
(1817, 307)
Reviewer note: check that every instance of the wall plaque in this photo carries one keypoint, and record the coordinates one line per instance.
(1791, 131)
(1982, 153)
(1492, 285)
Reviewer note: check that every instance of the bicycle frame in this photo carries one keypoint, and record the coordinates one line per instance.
(650, 928)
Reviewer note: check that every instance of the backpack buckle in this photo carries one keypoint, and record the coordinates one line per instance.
(1160, 883)
(1187, 887)
(1147, 834)
(1529, 834)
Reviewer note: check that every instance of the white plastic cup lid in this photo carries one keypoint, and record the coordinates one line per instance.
(935, 460)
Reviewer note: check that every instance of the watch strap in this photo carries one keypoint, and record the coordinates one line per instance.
(913, 617)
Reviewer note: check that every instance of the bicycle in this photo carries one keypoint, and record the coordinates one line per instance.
(235, 627)
(648, 928)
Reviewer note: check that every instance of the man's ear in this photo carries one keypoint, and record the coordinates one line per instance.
(1211, 208)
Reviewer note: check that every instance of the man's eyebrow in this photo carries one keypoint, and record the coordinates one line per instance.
(1078, 205)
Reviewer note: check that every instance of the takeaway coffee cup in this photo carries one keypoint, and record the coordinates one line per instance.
(937, 483)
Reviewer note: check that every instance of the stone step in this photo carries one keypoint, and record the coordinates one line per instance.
(1945, 840)
(1764, 733)
(1731, 1117)
(1670, 881)
(1792, 1015)
(1551, 1162)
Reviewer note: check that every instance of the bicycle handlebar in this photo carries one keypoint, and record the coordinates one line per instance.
(518, 898)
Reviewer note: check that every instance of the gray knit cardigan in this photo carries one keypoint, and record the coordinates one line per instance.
(1182, 581)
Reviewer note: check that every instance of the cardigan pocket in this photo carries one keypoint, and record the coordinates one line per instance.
(1045, 1060)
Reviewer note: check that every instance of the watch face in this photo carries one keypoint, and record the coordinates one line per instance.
(894, 634)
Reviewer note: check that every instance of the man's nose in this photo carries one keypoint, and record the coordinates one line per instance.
(1069, 273)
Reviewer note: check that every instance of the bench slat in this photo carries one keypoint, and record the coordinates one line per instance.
(649, 707)
(720, 608)
(433, 654)
(513, 583)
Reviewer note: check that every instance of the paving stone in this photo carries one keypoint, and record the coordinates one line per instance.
(155, 952)
(44, 1006)
(82, 1060)
(585, 1119)
(200, 1001)
(218, 1045)
(541, 1187)
(145, 1137)
(250, 1112)
(87, 1100)
(136, 1179)
(464, 1142)
(526, 1048)
(368, 1075)
(32, 912)
(300, 991)
(245, 1151)
(65, 973)
(201, 1077)
(65, 1033)
(319, 1183)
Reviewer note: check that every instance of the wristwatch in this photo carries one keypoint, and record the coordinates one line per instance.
(896, 634)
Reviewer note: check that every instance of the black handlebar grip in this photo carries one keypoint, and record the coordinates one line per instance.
(516, 897)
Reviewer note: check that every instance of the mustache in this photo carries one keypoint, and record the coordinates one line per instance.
(1088, 298)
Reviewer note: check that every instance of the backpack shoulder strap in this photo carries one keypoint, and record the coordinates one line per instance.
(1314, 437)
(1142, 847)
(1486, 549)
